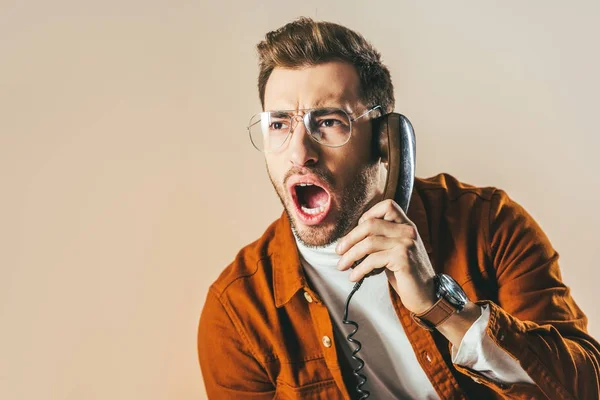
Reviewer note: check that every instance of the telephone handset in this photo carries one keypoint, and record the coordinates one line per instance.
(394, 141)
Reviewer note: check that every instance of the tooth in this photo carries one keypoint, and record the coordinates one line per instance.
(313, 211)
(307, 210)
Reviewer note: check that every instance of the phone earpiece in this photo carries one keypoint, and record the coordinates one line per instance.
(394, 142)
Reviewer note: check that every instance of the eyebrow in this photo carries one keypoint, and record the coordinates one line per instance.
(319, 104)
(281, 113)
(325, 103)
(321, 111)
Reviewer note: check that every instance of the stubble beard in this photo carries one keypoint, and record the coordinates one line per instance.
(349, 209)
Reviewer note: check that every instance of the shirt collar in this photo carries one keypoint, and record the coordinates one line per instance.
(288, 275)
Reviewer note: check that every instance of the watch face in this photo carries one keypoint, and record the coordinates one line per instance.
(451, 291)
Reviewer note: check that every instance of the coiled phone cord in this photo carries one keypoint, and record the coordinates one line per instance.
(362, 379)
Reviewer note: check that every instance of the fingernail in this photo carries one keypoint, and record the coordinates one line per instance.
(339, 247)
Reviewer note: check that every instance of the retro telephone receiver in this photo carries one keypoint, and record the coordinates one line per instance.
(394, 142)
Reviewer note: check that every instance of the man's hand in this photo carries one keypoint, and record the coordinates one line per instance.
(390, 240)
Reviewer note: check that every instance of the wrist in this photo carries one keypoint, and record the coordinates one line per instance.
(451, 299)
(430, 298)
(457, 325)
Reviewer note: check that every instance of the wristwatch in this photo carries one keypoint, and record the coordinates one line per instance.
(451, 299)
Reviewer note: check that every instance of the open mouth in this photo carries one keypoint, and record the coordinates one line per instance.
(312, 202)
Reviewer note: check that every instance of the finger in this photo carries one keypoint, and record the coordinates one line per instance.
(372, 262)
(374, 227)
(388, 210)
(368, 245)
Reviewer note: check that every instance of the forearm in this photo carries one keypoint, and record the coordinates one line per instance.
(480, 353)
(562, 362)
(456, 326)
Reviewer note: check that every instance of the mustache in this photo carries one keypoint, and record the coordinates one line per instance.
(324, 175)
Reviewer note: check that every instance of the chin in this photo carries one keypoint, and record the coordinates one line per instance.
(317, 239)
(315, 235)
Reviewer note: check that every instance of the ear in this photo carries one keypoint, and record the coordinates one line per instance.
(387, 130)
(381, 139)
(378, 141)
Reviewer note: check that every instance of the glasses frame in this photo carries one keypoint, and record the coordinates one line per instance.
(307, 112)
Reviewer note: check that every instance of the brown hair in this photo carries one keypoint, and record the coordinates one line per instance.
(304, 42)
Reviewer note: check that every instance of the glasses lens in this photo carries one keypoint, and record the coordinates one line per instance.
(268, 130)
(329, 126)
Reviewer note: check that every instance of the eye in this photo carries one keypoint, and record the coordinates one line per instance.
(277, 125)
(330, 118)
(329, 122)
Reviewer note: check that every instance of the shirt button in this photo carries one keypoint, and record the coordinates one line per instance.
(308, 297)
(501, 335)
(326, 341)
(428, 357)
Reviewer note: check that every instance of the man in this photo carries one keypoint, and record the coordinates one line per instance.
(471, 304)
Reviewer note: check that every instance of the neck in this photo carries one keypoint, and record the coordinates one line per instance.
(321, 256)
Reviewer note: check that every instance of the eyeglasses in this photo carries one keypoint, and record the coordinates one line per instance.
(330, 127)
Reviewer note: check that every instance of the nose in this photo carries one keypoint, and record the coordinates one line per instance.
(302, 149)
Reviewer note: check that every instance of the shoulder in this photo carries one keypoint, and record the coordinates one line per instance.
(242, 299)
(249, 274)
(448, 187)
(446, 192)
(462, 214)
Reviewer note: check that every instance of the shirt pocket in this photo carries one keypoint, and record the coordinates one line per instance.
(326, 390)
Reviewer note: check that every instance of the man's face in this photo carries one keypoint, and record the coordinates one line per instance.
(324, 190)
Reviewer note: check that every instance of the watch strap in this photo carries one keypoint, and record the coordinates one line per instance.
(440, 311)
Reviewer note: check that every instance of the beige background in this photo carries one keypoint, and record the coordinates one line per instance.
(127, 181)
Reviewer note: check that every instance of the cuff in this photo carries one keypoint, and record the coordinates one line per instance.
(467, 353)
(486, 353)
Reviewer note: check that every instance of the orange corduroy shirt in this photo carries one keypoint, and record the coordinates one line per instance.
(264, 333)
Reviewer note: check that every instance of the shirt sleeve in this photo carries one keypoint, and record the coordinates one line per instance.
(228, 366)
(479, 353)
(532, 315)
